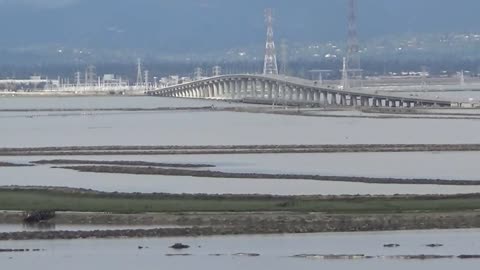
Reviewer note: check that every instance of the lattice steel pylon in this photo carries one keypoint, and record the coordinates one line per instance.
(139, 72)
(284, 57)
(270, 65)
(353, 48)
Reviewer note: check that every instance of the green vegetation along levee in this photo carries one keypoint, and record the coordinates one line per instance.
(89, 201)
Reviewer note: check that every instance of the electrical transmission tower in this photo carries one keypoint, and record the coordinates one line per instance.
(90, 76)
(198, 73)
(216, 71)
(78, 81)
(353, 48)
(270, 65)
(284, 50)
(146, 78)
(139, 72)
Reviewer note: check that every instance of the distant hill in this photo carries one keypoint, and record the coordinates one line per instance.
(174, 26)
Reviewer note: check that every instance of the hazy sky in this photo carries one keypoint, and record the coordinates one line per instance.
(208, 24)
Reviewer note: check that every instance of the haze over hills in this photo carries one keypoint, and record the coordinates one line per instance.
(42, 33)
(206, 25)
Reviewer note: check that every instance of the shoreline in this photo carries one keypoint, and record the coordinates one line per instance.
(220, 224)
(233, 149)
(211, 215)
(132, 170)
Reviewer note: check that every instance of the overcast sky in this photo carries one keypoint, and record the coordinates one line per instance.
(202, 24)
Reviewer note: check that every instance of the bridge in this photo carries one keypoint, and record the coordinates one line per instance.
(278, 89)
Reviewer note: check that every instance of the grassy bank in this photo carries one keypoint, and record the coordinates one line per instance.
(13, 199)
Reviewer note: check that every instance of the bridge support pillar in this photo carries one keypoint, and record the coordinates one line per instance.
(263, 86)
(213, 93)
(276, 91)
(269, 89)
(325, 98)
(219, 89)
(253, 88)
(310, 96)
(210, 90)
(239, 90)
(206, 91)
(281, 91)
(297, 94)
(224, 89)
(343, 100)
(231, 89)
(333, 97)
(289, 93)
(235, 89)
(249, 88)
(316, 96)
(244, 88)
(365, 101)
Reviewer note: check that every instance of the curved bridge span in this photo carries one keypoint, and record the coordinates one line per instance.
(290, 90)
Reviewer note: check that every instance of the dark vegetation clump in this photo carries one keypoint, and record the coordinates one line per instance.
(38, 216)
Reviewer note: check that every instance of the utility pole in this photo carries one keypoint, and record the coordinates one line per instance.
(270, 64)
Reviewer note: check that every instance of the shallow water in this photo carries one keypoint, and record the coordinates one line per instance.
(221, 128)
(105, 102)
(229, 128)
(20, 129)
(446, 165)
(275, 252)
(44, 176)
(433, 165)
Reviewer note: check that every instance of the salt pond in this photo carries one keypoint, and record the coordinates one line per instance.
(21, 129)
(274, 250)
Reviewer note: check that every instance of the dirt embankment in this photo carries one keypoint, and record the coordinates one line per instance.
(219, 174)
(268, 223)
(234, 149)
(121, 163)
(8, 164)
(111, 109)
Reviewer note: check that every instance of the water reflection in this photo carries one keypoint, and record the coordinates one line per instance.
(41, 226)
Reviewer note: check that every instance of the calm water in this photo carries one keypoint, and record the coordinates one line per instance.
(441, 165)
(213, 128)
(103, 102)
(220, 128)
(274, 250)
(43, 176)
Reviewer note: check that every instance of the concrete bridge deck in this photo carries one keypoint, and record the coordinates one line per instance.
(277, 88)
